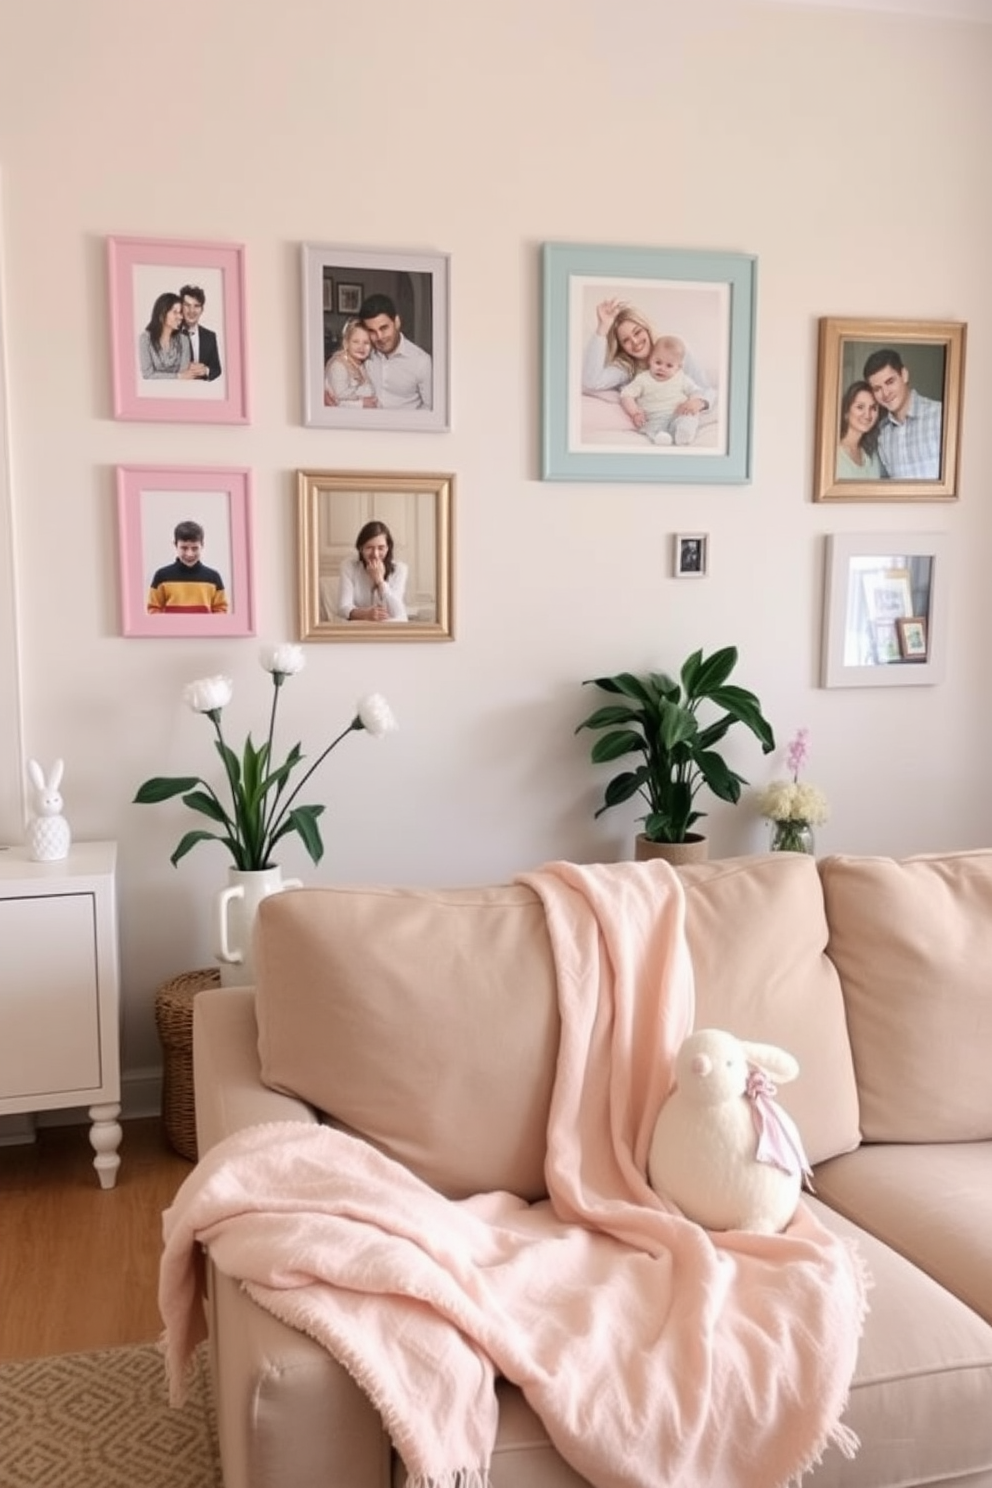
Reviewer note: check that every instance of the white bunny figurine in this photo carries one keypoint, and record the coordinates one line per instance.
(48, 831)
(723, 1150)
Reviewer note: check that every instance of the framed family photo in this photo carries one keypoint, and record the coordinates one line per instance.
(375, 343)
(375, 556)
(885, 607)
(177, 326)
(185, 544)
(888, 423)
(647, 364)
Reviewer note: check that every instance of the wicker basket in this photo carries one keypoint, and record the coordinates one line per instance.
(174, 1021)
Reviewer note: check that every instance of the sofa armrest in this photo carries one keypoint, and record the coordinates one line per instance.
(227, 1080)
(287, 1412)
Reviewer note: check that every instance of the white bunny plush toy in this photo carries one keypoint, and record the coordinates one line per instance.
(723, 1150)
(49, 836)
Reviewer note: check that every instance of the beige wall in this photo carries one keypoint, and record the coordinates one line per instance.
(847, 151)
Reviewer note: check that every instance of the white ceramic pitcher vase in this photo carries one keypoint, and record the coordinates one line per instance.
(236, 907)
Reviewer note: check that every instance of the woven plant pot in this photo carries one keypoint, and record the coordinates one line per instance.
(695, 849)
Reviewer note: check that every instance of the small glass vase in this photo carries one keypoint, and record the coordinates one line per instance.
(793, 836)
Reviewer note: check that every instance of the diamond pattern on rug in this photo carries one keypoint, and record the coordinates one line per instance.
(103, 1420)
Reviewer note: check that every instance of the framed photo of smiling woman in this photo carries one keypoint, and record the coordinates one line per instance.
(889, 410)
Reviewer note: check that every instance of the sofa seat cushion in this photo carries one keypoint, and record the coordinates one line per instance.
(912, 941)
(920, 1400)
(425, 1020)
(921, 1396)
(931, 1202)
(757, 934)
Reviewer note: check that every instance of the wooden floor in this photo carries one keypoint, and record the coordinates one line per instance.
(79, 1264)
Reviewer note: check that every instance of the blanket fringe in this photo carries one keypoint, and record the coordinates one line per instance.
(465, 1477)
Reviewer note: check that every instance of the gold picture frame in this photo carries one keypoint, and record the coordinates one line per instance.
(878, 360)
(417, 511)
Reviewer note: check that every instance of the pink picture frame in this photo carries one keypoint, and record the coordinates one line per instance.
(152, 500)
(143, 273)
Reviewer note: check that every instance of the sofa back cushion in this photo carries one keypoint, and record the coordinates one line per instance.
(757, 932)
(427, 1021)
(912, 941)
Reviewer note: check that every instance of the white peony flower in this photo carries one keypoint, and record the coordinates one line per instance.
(208, 694)
(375, 714)
(286, 659)
(792, 800)
(258, 814)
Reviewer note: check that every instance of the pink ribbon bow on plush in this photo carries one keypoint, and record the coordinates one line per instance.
(779, 1142)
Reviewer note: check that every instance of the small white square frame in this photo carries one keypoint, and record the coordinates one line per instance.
(690, 555)
(846, 555)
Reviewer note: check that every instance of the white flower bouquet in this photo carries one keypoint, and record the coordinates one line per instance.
(259, 814)
(793, 805)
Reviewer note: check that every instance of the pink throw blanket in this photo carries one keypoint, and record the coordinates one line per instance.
(655, 1352)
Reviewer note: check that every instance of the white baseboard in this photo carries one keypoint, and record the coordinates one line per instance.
(141, 1095)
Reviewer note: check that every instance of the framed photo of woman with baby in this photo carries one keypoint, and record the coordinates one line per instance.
(647, 364)
(177, 330)
(889, 410)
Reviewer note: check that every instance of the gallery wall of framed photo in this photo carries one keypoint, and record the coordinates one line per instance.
(648, 376)
(374, 329)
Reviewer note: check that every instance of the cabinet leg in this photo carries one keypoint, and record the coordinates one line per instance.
(105, 1138)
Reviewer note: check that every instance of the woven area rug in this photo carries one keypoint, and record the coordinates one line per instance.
(103, 1420)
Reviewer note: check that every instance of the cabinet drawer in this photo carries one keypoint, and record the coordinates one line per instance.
(49, 1004)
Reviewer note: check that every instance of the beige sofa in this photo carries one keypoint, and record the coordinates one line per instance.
(427, 1022)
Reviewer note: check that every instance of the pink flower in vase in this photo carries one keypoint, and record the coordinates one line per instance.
(797, 752)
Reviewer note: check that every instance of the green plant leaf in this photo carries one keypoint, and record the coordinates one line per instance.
(231, 762)
(192, 838)
(252, 769)
(614, 746)
(722, 781)
(162, 788)
(714, 732)
(208, 805)
(708, 673)
(745, 708)
(303, 820)
(281, 773)
(676, 726)
(665, 686)
(605, 717)
(623, 786)
(624, 682)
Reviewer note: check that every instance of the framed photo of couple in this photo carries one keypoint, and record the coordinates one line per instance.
(889, 404)
(375, 339)
(647, 365)
(177, 329)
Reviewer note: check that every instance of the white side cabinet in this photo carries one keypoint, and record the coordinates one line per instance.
(60, 992)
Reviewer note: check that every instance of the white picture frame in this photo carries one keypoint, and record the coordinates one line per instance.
(860, 643)
(417, 285)
(690, 555)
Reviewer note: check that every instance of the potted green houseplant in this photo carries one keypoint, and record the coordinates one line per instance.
(656, 720)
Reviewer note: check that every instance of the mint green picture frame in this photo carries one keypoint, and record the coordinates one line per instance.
(700, 296)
